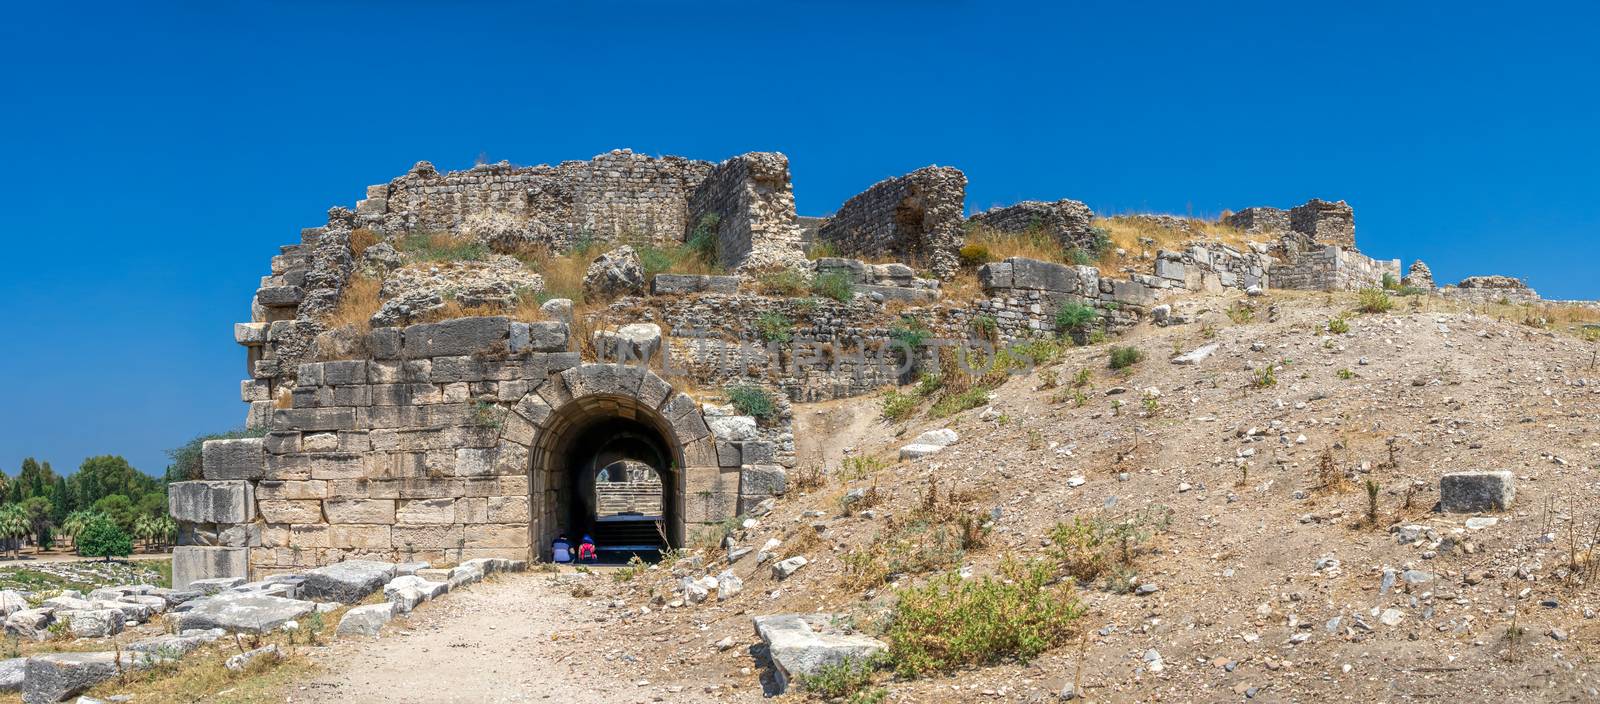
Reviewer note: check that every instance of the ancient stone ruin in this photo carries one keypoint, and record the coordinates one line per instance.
(406, 432)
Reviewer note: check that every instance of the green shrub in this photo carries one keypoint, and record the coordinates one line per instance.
(986, 327)
(186, 458)
(1102, 240)
(1240, 313)
(929, 384)
(950, 405)
(1346, 374)
(1075, 317)
(1375, 300)
(752, 400)
(1390, 283)
(1095, 547)
(1265, 377)
(102, 537)
(774, 327)
(783, 282)
(974, 255)
(834, 284)
(441, 247)
(898, 406)
(1124, 357)
(1338, 326)
(910, 332)
(843, 679)
(702, 242)
(1079, 257)
(951, 623)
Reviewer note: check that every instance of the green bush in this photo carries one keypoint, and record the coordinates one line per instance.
(441, 247)
(1338, 326)
(842, 679)
(974, 397)
(986, 327)
(834, 284)
(898, 406)
(974, 255)
(702, 242)
(951, 623)
(1075, 317)
(784, 282)
(1375, 300)
(186, 458)
(1390, 283)
(752, 400)
(1124, 357)
(774, 327)
(103, 538)
(910, 332)
(1079, 257)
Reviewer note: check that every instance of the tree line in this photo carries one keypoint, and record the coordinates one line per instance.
(102, 507)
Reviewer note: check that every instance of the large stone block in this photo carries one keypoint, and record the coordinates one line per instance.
(461, 336)
(314, 419)
(378, 511)
(497, 535)
(211, 501)
(244, 612)
(349, 581)
(1471, 492)
(763, 480)
(290, 511)
(190, 563)
(244, 458)
(56, 676)
(802, 645)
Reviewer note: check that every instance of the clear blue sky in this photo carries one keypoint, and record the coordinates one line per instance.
(155, 156)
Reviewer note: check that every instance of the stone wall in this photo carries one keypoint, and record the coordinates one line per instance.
(446, 443)
(1332, 268)
(1070, 222)
(1213, 266)
(1024, 295)
(615, 195)
(916, 217)
(1322, 221)
(1491, 289)
(749, 200)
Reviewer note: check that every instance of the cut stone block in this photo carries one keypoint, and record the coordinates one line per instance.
(1471, 492)
(798, 649)
(243, 612)
(243, 458)
(211, 501)
(192, 562)
(54, 677)
(348, 582)
(366, 621)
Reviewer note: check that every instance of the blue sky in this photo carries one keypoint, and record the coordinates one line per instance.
(155, 156)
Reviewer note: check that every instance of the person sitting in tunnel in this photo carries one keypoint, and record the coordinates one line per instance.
(561, 549)
(586, 550)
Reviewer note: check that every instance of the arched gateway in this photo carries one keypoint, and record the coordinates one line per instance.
(473, 437)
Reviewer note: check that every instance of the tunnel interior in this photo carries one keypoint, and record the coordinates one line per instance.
(609, 472)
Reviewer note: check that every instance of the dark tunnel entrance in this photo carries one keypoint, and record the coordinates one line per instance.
(610, 473)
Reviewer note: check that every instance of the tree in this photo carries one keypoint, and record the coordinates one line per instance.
(14, 524)
(107, 475)
(38, 509)
(118, 508)
(74, 524)
(103, 538)
(155, 531)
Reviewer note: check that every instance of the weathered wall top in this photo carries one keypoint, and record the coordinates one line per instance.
(916, 216)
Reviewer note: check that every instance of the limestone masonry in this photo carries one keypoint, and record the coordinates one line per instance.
(413, 438)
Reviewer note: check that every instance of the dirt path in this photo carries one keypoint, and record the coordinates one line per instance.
(519, 638)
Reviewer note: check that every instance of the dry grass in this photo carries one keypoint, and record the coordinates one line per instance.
(360, 239)
(1032, 244)
(1128, 233)
(357, 304)
(563, 272)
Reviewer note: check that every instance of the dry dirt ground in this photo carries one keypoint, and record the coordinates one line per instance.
(516, 638)
(1239, 606)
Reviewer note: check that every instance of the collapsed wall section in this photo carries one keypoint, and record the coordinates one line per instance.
(1069, 222)
(1333, 268)
(916, 217)
(1491, 289)
(747, 204)
(613, 196)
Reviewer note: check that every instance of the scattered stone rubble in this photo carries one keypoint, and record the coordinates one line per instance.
(208, 610)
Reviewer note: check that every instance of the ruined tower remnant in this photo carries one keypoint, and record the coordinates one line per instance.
(1325, 222)
(1070, 222)
(917, 216)
(747, 205)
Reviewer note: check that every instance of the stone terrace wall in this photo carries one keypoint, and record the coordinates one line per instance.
(1024, 295)
(438, 447)
(610, 196)
(750, 197)
(1321, 221)
(917, 217)
(1213, 266)
(1333, 268)
(1491, 289)
(1070, 222)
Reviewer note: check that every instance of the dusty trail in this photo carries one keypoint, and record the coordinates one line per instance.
(519, 638)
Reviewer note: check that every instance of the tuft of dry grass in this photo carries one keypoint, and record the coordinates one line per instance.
(360, 239)
(1128, 233)
(1034, 243)
(357, 303)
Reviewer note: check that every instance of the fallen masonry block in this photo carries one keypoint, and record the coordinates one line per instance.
(349, 581)
(11, 674)
(243, 612)
(1198, 354)
(241, 661)
(943, 437)
(54, 677)
(1470, 492)
(366, 620)
(917, 451)
(799, 647)
(215, 584)
(194, 563)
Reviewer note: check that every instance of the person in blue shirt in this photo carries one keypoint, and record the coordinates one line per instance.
(561, 549)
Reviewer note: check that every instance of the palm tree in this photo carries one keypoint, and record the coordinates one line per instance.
(75, 523)
(144, 529)
(14, 524)
(165, 530)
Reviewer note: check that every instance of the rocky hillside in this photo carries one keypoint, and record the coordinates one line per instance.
(1258, 520)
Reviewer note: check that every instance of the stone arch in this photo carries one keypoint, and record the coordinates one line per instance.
(575, 403)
